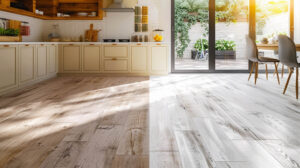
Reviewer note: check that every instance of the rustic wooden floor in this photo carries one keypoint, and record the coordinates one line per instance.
(175, 121)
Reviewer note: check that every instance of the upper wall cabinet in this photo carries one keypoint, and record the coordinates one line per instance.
(68, 9)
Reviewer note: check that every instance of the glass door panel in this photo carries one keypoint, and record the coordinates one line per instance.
(272, 19)
(191, 34)
(231, 29)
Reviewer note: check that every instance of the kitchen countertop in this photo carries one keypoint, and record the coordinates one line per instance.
(14, 43)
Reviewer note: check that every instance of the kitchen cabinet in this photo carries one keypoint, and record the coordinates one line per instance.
(139, 58)
(71, 55)
(91, 58)
(27, 63)
(41, 61)
(159, 59)
(52, 59)
(8, 67)
(116, 58)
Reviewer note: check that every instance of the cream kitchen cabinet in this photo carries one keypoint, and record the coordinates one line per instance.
(27, 64)
(91, 58)
(139, 58)
(71, 58)
(159, 59)
(41, 56)
(116, 58)
(8, 67)
(52, 60)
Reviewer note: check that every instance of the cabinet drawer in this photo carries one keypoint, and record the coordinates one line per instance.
(117, 51)
(115, 65)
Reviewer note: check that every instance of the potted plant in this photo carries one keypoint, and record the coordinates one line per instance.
(9, 35)
(225, 49)
(200, 49)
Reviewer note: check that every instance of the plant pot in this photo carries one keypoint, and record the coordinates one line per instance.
(194, 54)
(227, 54)
(9, 38)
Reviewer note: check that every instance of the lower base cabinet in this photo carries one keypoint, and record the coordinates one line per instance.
(91, 58)
(139, 59)
(8, 67)
(71, 55)
(159, 59)
(41, 61)
(27, 63)
(22, 65)
(52, 59)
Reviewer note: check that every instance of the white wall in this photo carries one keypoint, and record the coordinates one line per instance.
(36, 25)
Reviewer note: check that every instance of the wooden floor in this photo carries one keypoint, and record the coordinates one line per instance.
(175, 121)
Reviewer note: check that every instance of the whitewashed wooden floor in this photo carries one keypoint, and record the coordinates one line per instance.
(175, 121)
(223, 121)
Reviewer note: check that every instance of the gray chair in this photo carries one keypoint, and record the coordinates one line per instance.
(253, 56)
(288, 56)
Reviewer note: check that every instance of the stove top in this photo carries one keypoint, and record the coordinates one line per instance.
(115, 40)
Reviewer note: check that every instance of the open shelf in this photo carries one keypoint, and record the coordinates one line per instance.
(52, 7)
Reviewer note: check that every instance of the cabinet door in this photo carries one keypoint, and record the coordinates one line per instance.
(139, 59)
(27, 62)
(8, 67)
(91, 58)
(41, 61)
(71, 58)
(159, 59)
(51, 59)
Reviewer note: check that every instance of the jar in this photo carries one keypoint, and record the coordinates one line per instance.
(158, 35)
(145, 19)
(138, 19)
(145, 10)
(145, 28)
(138, 10)
(138, 28)
(146, 38)
(140, 38)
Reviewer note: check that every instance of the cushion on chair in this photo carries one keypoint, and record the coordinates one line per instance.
(267, 59)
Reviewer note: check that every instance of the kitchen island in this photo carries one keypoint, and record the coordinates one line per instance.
(26, 63)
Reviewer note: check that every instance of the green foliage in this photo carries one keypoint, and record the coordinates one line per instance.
(189, 12)
(223, 45)
(9, 32)
(201, 45)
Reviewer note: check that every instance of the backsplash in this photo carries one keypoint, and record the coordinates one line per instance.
(36, 25)
(114, 25)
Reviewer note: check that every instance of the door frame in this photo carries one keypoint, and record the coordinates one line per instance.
(212, 29)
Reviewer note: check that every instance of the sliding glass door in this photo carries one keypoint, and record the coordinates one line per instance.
(209, 35)
(232, 27)
(191, 34)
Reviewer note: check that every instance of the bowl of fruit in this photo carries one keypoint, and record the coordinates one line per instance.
(158, 35)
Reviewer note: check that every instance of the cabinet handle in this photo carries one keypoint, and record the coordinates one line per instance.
(26, 45)
(6, 45)
(92, 44)
(158, 44)
(53, 44)
(42, 44)
(114, 44)
(71, 44)
(114, 59)
(139, 44)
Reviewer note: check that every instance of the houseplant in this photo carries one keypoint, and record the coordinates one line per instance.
(9, 35)
(225, 49)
